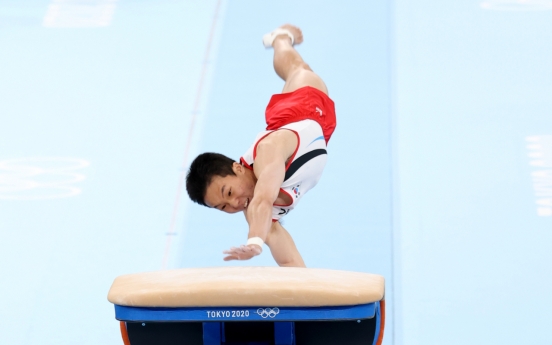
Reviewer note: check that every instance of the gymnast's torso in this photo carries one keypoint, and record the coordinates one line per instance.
(303, 169)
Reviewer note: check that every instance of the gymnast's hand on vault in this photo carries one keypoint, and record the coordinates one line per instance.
(242, 252)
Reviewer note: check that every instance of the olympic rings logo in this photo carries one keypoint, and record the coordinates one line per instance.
(268, 312)
(40, 178)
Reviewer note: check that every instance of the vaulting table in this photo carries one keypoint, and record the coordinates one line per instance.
(250, 306)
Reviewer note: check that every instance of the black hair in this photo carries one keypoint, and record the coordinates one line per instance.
(202, 170)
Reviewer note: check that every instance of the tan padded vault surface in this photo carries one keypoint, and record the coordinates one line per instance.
(246, 286)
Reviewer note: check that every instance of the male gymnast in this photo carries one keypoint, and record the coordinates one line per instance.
(284, 162)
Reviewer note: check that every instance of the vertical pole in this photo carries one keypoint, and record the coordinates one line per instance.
(284, 333)
(380, 322)
(124, 332)
(212, 333)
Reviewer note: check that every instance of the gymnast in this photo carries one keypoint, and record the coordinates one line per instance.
(284, 162)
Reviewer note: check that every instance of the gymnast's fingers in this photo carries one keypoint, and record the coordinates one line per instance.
(231, 250)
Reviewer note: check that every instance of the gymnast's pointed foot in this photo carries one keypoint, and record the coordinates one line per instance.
(287, 32)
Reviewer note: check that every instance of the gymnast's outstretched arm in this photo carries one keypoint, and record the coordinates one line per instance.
(272, 153)
(283, 248)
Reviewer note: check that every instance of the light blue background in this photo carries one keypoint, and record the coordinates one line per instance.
(470, 84)
(428, 181)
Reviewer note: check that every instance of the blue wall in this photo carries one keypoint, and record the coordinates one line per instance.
(471, 84)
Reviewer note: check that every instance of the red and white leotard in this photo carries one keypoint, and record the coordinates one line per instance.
(311, 116)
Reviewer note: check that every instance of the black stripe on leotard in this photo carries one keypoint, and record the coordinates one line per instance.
(299, 162)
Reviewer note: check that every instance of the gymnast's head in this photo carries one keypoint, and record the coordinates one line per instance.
(217, 181)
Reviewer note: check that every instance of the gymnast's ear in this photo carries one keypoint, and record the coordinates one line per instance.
(238, 168)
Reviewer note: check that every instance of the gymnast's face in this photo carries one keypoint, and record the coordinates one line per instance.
(231, 194)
